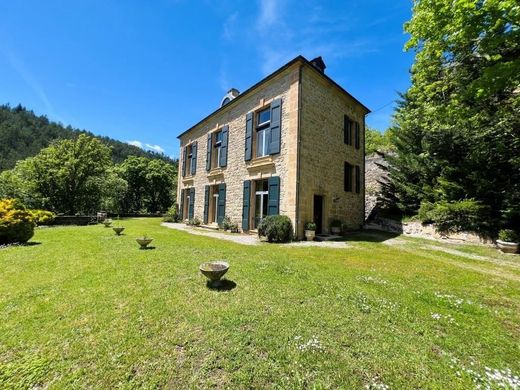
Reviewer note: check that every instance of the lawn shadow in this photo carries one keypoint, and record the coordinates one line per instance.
(32, 243)
(148, 248)
(224, 285)
(369, 236)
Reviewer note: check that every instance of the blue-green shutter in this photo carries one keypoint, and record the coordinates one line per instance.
(275, 127)
(193, 158)
(273, 204)
(356, 135)
(347, 177)
(181, 205)
(206, 204)
(191, 208)
(184, 157)
(245, 208)
(221, 211)
(208, 153)
(224, 146)
(248, 154)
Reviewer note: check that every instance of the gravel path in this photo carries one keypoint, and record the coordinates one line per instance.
(250, 239)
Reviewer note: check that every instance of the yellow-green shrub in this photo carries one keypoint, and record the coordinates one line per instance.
(42, 217)
(16, 223)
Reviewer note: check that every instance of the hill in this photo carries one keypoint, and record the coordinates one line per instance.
(23, 134)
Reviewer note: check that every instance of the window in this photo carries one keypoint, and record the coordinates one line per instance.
(218, 148)
(261, 200)
(263, 121)
(348, 177)
(347, 130)
(358, 179)
(189, 159)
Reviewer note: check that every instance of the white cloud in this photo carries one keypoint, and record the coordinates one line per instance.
(145, 146)
(229, 26)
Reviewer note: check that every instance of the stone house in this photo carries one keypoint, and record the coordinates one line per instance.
(292, 144)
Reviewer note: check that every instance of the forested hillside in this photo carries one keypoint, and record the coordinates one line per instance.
(23, 134)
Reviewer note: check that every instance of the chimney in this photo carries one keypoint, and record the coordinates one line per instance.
(233, 92)
(319, 64)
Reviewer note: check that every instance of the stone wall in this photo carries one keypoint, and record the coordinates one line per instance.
(284, 86)
(323, 153)
(374, 175)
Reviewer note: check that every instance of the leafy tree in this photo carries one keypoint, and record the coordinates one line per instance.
(457, 129)
(375, 141)
(68, 174)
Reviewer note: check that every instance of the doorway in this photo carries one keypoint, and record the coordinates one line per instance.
(261, 194)
(318, 213)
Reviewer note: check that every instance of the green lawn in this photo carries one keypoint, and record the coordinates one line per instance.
(82, 308)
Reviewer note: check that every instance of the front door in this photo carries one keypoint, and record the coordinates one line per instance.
(318, 213)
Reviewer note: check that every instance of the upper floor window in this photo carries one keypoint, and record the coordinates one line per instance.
(218, 148)
(189, 160)
(216, 156)
(263, 122)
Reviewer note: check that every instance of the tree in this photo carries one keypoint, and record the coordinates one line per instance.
(68, 174)
(457, 129)
(376, 141)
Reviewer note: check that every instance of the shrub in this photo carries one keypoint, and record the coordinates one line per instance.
(464, 215)
(277, 228)
(42, 217)
(16, 223)
(195, 221)
(227, 224)
(310, 226)
(172, 214)
(508, 235)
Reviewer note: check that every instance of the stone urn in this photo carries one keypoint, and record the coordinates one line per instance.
(508, 247)
(144, 241)
(310, 234)
(107, 222)
(214, 270)
(118, 230)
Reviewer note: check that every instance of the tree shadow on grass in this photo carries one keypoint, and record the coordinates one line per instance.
(369, 236)
(225, 285)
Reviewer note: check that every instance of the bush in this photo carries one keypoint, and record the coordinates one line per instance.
(172, 214)
(16, 223)
(310, 226)
(195, 221)
(277, 228)
(464, 215)
(509, 235)
(227, 224)
(42, 217)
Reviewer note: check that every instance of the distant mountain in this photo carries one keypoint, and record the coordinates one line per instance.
(23, 134)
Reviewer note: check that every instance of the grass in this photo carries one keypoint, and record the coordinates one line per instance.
(82, 308)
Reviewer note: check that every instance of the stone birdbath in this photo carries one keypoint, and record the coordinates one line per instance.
(118, 230)
(214, 270)
(144, 241)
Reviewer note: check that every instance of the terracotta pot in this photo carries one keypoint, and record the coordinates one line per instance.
(144, 242)
(310, 234)
(508, 247)
(118, 230)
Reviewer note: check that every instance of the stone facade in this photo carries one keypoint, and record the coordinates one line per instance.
(312, 152)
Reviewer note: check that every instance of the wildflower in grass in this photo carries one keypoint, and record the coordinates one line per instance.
(376, 384)
(312, 345)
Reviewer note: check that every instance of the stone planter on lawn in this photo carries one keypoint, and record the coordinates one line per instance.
(118, 230)
(144, 241)
(508, 247)
(310, 234)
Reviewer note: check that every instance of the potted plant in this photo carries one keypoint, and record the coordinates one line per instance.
(335, 226)
(144, 241)
(508, 241)
(310, 231)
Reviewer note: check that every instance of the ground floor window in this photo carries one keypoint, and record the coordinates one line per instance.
(261, 201)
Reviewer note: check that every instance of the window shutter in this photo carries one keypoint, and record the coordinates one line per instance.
(208, 152)
(193, 158)
(276, 126)
(223, 147)
(348, 177)
(358, 179)
(181, 205)
(273, 204)
(249, 137)
(221, 212)
(206, 204)
(191, 208)
(245, 208)
(356, 135)
(184, 157)
(346, 122)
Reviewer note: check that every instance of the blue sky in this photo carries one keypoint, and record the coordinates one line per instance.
(144, 71)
